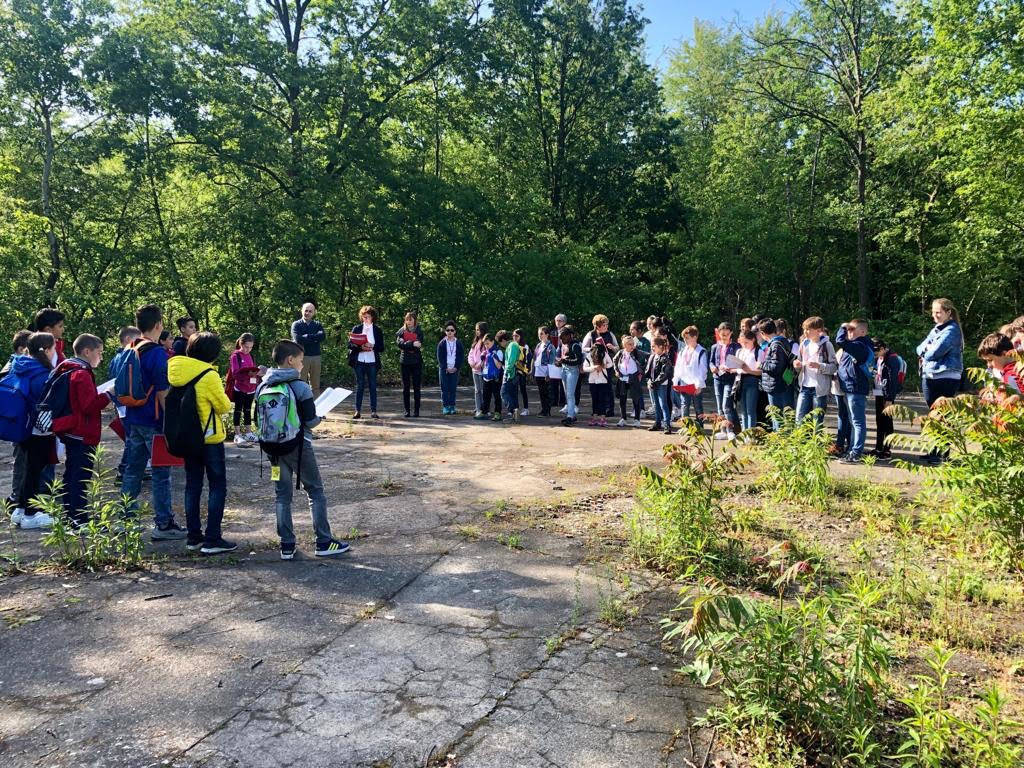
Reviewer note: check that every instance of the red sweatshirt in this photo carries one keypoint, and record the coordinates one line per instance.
(86, 403)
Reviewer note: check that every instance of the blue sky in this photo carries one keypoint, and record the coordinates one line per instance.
(672, 20)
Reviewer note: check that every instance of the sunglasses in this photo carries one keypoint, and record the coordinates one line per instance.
(449, 330)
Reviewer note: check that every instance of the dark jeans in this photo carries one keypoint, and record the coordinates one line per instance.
(524, 397)
(449, 384)
(78, 463)
(366, 376)
(412, 376)
(510, 396)
(18, 475)
(750, 391)
(243, 407)
(883, 426)
(933, 389)
(545, 392)
(661, 396)
(600, 397)
(492, 391)
(211, 462)
(723, 399)
(630, 389)
(38, 453)
(782, 399)
(844, 426)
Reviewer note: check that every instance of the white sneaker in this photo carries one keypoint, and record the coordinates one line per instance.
(677, 415)
(17, 516)
(649, 413)
(720, 436)
(622, 422)
(477, 414)
(524, 412)
(730, 435)
(634, 422)
(564, 409)
(239, 440)
(251, 437)
(38, 520)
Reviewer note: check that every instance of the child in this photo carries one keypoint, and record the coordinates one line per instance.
(26, 379)
(691, 368)
(637, 329)
(724, 379)
(659, 379)
(245, 375)
(570, 358)
(283, 380)
(523, 366)
(126, 337)
(493, 361)
(186, 330)
(19, 346)
(1000, 356)
(146, 421)
(816, 364)
(510, 376)
(886, 387)
(543, 363)
(450, 357)
(80, 429)
(167, 343)
(598, 367)
(629, 364)
(51, 321)
(855, 382)
(198, 363)
(476, 356)
(775, 361)
(750, 378)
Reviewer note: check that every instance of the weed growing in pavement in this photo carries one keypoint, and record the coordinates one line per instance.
(796, 460)
(13, 558)
(470, 532)
(512, 541)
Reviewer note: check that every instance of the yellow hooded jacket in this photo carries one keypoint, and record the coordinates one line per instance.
(209, 392)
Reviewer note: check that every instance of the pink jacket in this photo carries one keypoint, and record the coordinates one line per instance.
(244, 371)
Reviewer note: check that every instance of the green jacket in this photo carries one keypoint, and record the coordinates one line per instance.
(512, 354)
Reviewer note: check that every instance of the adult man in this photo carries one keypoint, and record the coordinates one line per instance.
(186, 330)
(146, 421)
(309, 334)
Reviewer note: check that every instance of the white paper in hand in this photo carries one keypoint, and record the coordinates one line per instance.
(330, 399)
(731, 361)
(106, 386)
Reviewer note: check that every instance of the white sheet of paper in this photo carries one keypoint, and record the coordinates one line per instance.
(106, 386)
(330, 399)
(731, 361)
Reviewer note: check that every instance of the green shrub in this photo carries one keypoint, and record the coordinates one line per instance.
(796, 460)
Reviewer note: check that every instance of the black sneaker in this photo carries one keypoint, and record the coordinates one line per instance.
(218, 547)
(850, 458)
(171, 532)
(357, 415)
(194, 545)
(332, 548)
(287, 551)
(654, 428)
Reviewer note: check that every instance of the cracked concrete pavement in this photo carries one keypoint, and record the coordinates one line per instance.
(431, 643)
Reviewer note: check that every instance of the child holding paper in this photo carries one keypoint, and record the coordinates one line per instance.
(245, 375)
(301, 460)
(723, 365)
(691, 370)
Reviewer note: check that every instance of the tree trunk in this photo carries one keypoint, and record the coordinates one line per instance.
(46, 203)
(863, 298)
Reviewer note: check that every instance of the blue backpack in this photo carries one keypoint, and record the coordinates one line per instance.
(128, 385)
(16, 408)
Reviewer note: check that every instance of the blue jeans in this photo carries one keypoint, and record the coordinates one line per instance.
(843, 429)
(212, 464)
(510, 394)
(78, 464)
(449, 381)
(782, 400)
(810, 401)
(570, 377)
(139, 445)
(662, 405)
(309, 476)
(750, 391)
(858, 423)
(366, 373)
(724, 403)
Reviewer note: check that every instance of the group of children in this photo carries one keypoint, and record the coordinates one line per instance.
(165, 399)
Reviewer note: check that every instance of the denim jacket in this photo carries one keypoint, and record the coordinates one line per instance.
(942, 351)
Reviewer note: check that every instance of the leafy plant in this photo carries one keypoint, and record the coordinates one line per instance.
(796, 459)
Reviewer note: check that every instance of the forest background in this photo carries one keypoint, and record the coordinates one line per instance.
(503, 161)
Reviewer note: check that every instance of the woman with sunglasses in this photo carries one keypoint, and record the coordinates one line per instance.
(450, 356)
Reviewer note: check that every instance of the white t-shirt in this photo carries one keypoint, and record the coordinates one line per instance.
(540, 371)
(450, 344)
(367, 357)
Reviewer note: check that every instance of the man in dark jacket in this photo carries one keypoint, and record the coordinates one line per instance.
(309, 334)
(776, 360)
(855, 377)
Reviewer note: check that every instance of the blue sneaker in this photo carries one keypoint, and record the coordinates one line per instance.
(332, 548)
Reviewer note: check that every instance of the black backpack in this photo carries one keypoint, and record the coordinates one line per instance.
(185, 436)
(54, 404)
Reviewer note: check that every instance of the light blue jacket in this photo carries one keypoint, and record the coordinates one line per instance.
(942, 351)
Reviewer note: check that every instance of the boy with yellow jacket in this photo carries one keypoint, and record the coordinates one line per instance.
(199, 361)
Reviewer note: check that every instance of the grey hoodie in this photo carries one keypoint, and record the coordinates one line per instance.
(303, 395)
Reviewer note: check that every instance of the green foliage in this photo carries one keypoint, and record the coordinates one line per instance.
(814, 668)
(678, 523)
(796, 460)
(111, 539)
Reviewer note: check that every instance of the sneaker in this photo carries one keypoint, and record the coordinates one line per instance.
(194, 545)
(676, 415)
(621, 423)
(655, 427)
(602, 422)
(287, 551)
(171, 532)
(515, 417)
(480, 416)
(406, 414)
(17, 516)
(850, 458)
(252, 437)
(730, 435)
(593, 422)
(524, 412)
(218, 547)
(477, 414)
(38, 520)
(357, 415)
(721, 436)
(239, 440)
(496, 417)
(567, 422)
(373, 415)
(670, 431)
(564, 409)
(332, 548)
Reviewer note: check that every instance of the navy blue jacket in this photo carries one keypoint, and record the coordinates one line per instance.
(853, 380)
(378, 345)
(442, 355)
(716, 350)
(310, 335)
(777, 357)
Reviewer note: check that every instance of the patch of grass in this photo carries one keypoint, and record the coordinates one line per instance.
(470, 532)
(512, 541)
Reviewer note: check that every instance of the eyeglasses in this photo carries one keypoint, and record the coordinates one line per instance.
(449, 330)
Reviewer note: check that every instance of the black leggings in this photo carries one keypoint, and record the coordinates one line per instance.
(492, 390)
(243, 407)
(412, 374)
(38, 453)
(524, 399)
